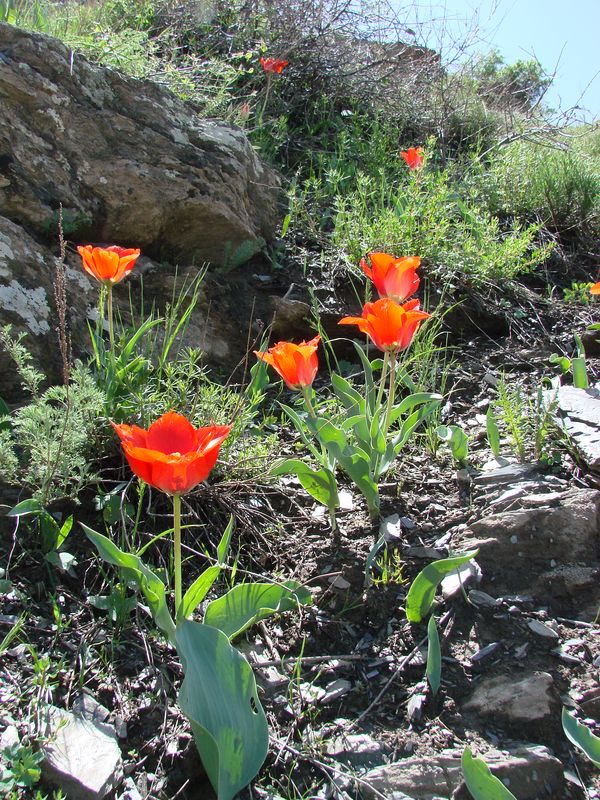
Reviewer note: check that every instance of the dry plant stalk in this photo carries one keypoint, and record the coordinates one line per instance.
(60, 299)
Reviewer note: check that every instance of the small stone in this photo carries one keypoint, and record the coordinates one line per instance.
(482, 599)
(9, 737)
(391, 528)
(346, 501)
(335, 690)
(337, 582)
(84, 761)
(485, 652)
(511, 473)
(541, 629)
(455, 580)
(357, 749)
(530, 699)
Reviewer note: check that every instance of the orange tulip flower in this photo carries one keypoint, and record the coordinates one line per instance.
(413, 157)
(108, 264)
(297, 364)
(172, 455)
(595, 289)
(390, 325)
(273, 64)
(395, 278)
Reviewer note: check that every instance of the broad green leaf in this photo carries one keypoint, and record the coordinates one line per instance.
(413, 400)
(358, 423)
(25, 507)
(581, 736)
(64, 531)
(412, 422)
(148, 581)
(328, 434)
(372, 556)
(302, 428)
(422, 591)
(357, 467)
(377, 439)
(434, 656)
(198, 591)
(493, 433)
(580, 376)
(248, 603)
(368, 371)
(320, 484)
(456, 439)
(480, 782)
(562, 362)
(218, 696)
(225, 541)
(351, 399)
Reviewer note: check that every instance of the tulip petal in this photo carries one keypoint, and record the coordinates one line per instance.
(172, 433)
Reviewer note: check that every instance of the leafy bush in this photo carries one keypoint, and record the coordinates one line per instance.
(561, 187)
(456, 240)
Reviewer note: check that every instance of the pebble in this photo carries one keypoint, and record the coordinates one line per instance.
(541, 629)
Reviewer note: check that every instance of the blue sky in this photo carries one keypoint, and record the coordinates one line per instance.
(563, 36)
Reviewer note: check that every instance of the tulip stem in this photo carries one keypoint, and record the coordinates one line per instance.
(111, 332)
(309, 406)
(384, 369)
(391, 393)
(177, 549)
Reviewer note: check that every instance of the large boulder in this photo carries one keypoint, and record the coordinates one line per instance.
(129, 162)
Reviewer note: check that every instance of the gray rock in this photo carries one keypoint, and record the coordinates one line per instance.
(356, 749)
(83, 760)
(511, 473)
(454, 581)
(527, 770)
(580, 413)
(130, 163)
(515, 546)
(541, 629)
(482, 599)
(335, 690)
(533, 698)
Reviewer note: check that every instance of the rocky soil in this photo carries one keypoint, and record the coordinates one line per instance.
(343, 682)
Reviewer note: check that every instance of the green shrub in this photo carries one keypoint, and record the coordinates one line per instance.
(425, 216)
(561, 187)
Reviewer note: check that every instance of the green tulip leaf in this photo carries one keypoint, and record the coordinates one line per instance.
(581, 736)
(480, 781)
(320, 484)
(422, 591)
(456, 439)
(198, 591)
(148, 581)
(248, 603)
(493, 432)
(25, 507)
(434, 656)
(218, 696)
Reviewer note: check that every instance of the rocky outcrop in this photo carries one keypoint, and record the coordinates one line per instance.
(132, 165)
(129, 162)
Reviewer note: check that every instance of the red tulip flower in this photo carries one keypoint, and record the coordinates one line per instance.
(595, 289)
(172, 455)
(413, 157)
(395, 278)
(297, 364)
(389, 325)
(273, 65)
(108, 264)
